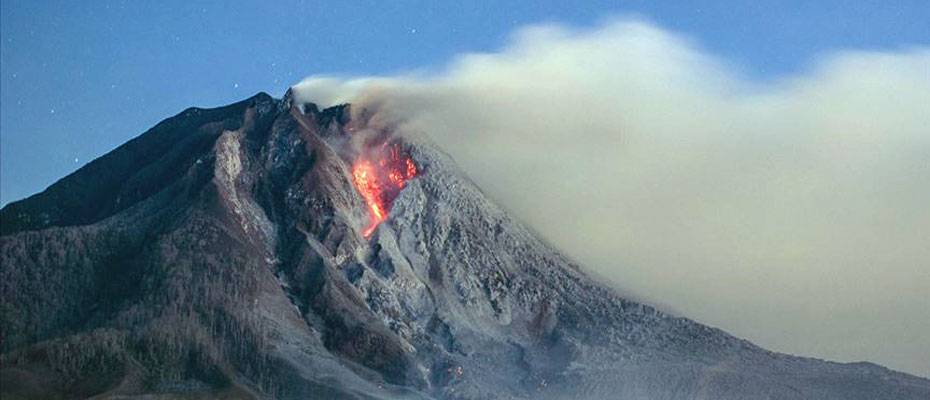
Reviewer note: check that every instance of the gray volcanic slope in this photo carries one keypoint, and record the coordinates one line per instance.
(220, 255)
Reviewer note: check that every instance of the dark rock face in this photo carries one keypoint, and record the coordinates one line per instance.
(220, 254)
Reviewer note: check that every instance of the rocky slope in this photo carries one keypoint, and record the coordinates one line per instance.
(223, 254)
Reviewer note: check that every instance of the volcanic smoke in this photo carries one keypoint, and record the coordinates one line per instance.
(379, 175)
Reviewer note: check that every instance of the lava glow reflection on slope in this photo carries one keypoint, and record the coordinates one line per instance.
(379, 175)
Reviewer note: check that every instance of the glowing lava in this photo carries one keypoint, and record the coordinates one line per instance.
(379, 175)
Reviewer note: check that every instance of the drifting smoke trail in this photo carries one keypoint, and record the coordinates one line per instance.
(793, 212)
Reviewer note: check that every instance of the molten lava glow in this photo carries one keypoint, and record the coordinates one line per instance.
(379, 174)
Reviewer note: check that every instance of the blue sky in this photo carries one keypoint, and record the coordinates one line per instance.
(80, 78)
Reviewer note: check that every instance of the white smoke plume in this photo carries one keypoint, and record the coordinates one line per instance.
(793, 212)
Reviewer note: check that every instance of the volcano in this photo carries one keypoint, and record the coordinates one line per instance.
(273, 249)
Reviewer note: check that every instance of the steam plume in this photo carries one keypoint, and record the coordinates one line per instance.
(793, 212)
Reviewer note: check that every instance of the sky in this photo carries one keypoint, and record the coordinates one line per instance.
(764, 163)
(80, 78)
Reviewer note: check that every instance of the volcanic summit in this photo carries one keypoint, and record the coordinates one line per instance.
(271, 249)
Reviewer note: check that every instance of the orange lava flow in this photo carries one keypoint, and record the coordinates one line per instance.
(379, 175)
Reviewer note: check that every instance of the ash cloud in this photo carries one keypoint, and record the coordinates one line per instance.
(791, 212)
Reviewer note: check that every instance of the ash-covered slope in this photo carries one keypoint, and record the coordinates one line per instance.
(223, 254)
